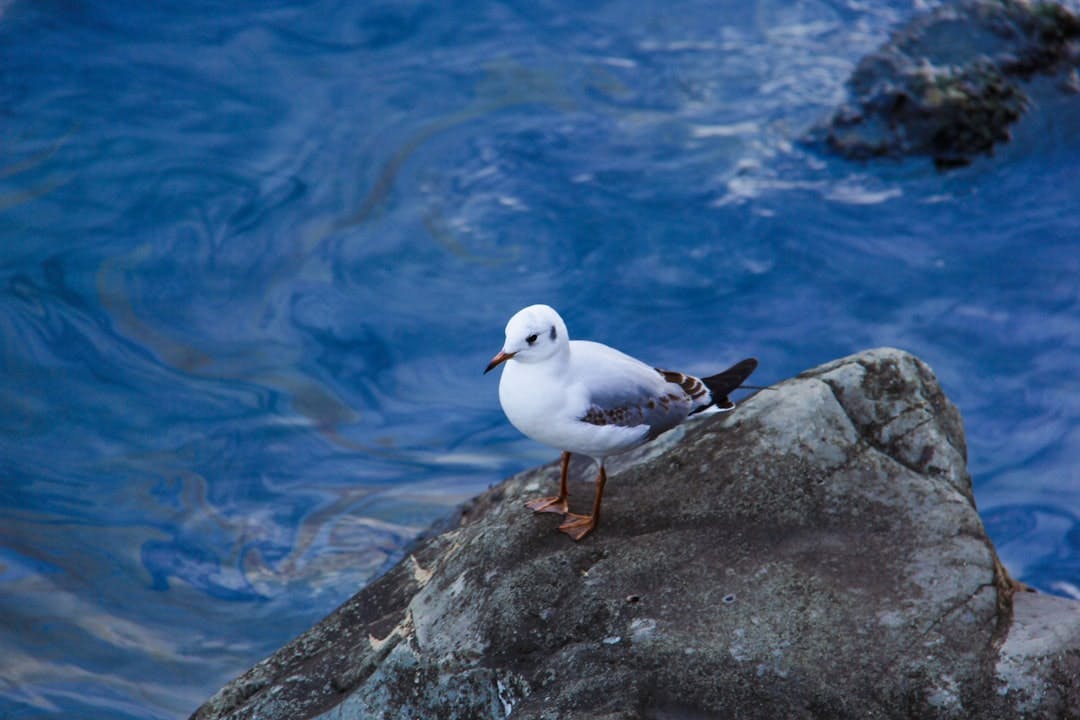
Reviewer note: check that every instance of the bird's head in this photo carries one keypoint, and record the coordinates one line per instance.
(534, 334)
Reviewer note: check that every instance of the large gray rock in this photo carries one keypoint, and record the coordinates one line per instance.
(815, 554)
(951, 82)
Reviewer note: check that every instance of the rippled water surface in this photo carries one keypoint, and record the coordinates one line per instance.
(254, 256)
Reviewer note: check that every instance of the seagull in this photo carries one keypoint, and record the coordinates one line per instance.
(585, 397)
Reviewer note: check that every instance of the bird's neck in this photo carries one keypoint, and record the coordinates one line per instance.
(551, 367)
(557, 363)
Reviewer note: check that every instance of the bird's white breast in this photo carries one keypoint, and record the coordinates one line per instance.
(534, 402)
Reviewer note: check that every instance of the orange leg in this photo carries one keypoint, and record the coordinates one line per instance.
(578, 526)
(555, 504)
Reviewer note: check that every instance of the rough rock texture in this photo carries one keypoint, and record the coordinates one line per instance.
(949, 83)
(815, 554)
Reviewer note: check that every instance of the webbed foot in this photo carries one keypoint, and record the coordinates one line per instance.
(578, 526)
(554, 504)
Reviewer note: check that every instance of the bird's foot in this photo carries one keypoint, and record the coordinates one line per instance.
(577, 526)
(553, 504)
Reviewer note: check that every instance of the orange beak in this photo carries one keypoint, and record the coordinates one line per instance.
(498, 360)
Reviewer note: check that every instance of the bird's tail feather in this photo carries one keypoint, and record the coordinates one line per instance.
(724, 382)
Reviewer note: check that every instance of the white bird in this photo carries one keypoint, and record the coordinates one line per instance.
(585, 397)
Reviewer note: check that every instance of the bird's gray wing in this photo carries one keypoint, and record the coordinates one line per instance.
(653, 400)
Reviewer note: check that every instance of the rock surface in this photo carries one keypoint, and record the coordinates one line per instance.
(949, 84)
(815, 554)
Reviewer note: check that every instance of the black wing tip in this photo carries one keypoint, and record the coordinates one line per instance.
(748, 366)
(724, 382)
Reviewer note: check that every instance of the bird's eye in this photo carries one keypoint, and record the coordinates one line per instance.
(531, 339)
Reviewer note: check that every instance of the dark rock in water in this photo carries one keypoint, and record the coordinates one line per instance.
(814, 554)
(949, 83)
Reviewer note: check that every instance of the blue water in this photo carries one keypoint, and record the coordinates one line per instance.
(255, 255)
